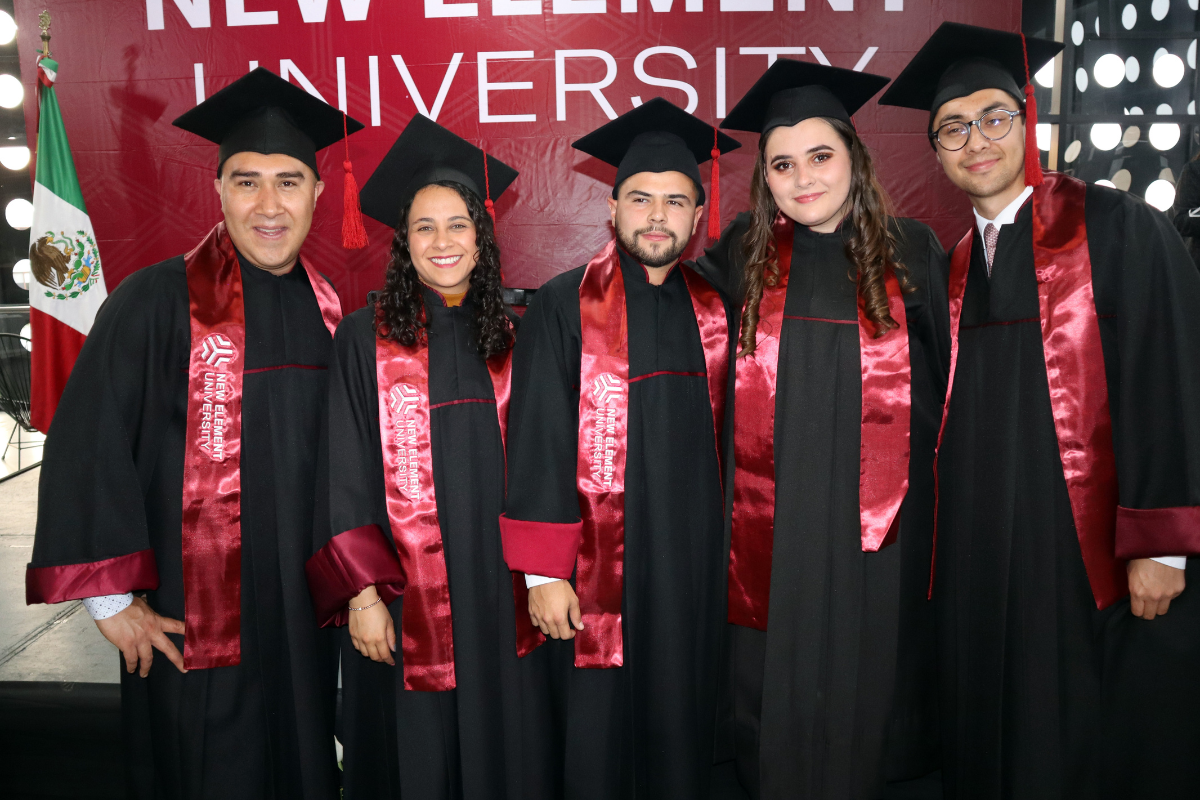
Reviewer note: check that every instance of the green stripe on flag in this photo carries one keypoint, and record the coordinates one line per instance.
(55, 167)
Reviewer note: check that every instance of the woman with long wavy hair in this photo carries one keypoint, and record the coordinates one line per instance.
(838, 388)
(435, 703)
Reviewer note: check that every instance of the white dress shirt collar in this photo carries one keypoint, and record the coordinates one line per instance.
(1006, 216)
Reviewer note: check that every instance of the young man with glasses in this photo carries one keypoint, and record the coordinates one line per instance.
(1069, 458)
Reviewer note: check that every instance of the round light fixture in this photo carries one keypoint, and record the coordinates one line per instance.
(1106, 135)
(1160, 194)
(27, 336)
(1109, 70)
(1073, 150)
(1131, 136)
(1045, 75)
(19, 214)
(1133, 111)
(1159, 9)
(11, 91)
(8, 28)
(1043, 136)
(22, 273)
(1121, 179)
(1167, 175)
(1168, 71)
(1081, 79)
(1133, 69)
(1164, 135)
(1109, 184)
(1128, 17)
(14, 157)
(1077, 33)
(1192, 54)
(1192, 107)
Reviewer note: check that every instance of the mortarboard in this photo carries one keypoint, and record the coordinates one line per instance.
(790, 92)
(959, 60)
(659, 136)
(425, 153)
(262, 113)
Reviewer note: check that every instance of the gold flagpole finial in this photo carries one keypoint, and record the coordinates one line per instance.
(44, 24)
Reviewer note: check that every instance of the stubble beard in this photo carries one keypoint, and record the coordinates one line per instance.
(648, 258)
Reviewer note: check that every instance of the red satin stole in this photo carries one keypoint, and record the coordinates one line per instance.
(427, 631)
(212, 483)
(1075, 373)
(883, 445)
(603, 441)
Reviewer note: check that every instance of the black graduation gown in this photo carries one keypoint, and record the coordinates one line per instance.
(838, 695)
(1044, 696)
(643, 729)
(112, 483)
(481, 739)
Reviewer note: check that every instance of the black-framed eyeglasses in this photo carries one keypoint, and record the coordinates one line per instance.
(992, 125)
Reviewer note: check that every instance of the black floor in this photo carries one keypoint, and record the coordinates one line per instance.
(62, 741)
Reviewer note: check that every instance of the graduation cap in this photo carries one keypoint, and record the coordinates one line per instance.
(959, 60)
(790, 92)
(426, 153)
(659, 136)
(262, 113)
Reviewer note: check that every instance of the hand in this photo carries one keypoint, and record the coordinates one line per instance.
(554, 609)
(372, 631)
(137, 630)
(1152, 587)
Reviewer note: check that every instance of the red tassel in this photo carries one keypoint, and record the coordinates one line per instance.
(1033, 159)
(487, 191)
(714, 202)
(354, 235)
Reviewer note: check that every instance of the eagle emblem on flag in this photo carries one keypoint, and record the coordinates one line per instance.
(67, 266)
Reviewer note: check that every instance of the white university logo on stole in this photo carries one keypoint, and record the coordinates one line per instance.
(607, 390)
(404, 399)
(217, 351)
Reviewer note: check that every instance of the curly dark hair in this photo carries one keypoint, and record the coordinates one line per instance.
(871, 245)
(400, 308)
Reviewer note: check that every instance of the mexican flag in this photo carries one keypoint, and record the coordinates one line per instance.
(68, 285)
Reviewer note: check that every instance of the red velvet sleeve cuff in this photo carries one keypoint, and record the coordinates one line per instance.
(541, 548)
(1153, 532)
(349, 563)
(135, 572)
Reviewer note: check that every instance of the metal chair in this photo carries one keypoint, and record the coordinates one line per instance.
(15, 388)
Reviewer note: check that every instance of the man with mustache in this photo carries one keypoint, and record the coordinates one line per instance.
(614, 485)
(181, 465)
(1069, 459)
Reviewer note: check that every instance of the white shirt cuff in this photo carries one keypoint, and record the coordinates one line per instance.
(1178, 562)
(108, 605)
(537, 580)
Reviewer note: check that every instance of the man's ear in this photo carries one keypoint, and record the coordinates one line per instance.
(696, 221)
(217, 185)
(612, 211)
(320, 187)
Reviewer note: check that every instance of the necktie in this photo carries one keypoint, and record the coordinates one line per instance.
(991, 234)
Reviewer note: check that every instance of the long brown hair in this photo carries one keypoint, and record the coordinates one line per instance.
(400, 307)
(870, 247)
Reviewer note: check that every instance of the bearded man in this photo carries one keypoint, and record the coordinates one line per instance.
(614, 485)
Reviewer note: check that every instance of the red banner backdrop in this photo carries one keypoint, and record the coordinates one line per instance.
(522, 78)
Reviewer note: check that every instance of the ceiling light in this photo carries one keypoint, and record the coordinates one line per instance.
(1077, 33)
(1131, 136)
(1045, 75)
(8, 28)
(1043, 136)
(19, 214)
(1109, 184)
(1164, 135)
(1168, 71)
(1109, 70)
(1128, 17)
(22, 273)
(1159, 8)
(27, 336)
(1081, 79)
(14, 157)
(1106, 135)
(1121, 179)
(11, 91)
(1073, 150)
(1132, 69)
(1160, 194)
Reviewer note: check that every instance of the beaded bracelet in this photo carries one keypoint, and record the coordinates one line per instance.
(364, 608)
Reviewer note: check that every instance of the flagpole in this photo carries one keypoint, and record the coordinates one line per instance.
(44, 24)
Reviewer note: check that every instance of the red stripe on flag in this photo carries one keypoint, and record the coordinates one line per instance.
(55, 348)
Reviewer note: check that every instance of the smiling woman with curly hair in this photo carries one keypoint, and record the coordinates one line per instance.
(434, 696)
